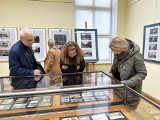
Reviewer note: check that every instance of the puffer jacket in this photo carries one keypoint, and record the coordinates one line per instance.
(132, 68)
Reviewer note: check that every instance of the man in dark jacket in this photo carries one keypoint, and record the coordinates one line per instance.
(22, 61)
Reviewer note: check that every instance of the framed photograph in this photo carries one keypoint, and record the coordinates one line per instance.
(87, 41)
(61, 36)
(39, 46)
(151, 43)
(8, 36)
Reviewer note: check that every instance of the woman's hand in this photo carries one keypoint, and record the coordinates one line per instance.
(78, 66)
(64, 66)
(122, 82)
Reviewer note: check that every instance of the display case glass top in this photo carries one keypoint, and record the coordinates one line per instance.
(76, 96)
(55, 81)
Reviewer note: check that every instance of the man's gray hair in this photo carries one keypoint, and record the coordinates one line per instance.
(51, 42)
(24, 31)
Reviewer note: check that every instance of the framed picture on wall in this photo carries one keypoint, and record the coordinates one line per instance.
(151, 43)
(61, 36)
(87, 41)
(39, 46)
(8, 36)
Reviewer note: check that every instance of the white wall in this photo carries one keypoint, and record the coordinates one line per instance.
(121, 18)
(132, 17)
(35, 14)
(139, 14)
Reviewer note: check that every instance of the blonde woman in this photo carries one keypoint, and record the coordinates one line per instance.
(128, 66)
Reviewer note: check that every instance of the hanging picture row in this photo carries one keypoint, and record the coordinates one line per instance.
(9, 36)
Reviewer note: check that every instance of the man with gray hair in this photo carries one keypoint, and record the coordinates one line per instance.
(52, 62)
(22, 61)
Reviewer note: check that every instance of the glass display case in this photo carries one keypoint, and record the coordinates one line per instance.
(76, 96)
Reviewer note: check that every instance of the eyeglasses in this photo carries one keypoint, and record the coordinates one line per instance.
(29, 40)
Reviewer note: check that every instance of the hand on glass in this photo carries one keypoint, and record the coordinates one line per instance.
(122, 82)
(37, 72)
(37, 75)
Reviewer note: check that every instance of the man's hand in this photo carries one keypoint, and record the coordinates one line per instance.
(37, 72)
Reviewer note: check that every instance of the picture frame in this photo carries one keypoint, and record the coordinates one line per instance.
(151, 43)
(8, 37)
(87, 41)
(61, 36)
(39, 44)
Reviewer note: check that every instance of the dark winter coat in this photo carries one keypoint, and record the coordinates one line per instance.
(132, 68)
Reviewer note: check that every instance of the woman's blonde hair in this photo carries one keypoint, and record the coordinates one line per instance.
(71, 45)
(118, 44)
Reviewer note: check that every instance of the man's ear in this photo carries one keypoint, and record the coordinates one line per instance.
(21, 38)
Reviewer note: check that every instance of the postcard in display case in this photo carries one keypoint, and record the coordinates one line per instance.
(26, 102)
(7, 101)
(116, 115)
(5, 107)
(19, 106)
(85, 96)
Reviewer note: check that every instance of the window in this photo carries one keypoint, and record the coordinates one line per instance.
(100, 15)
